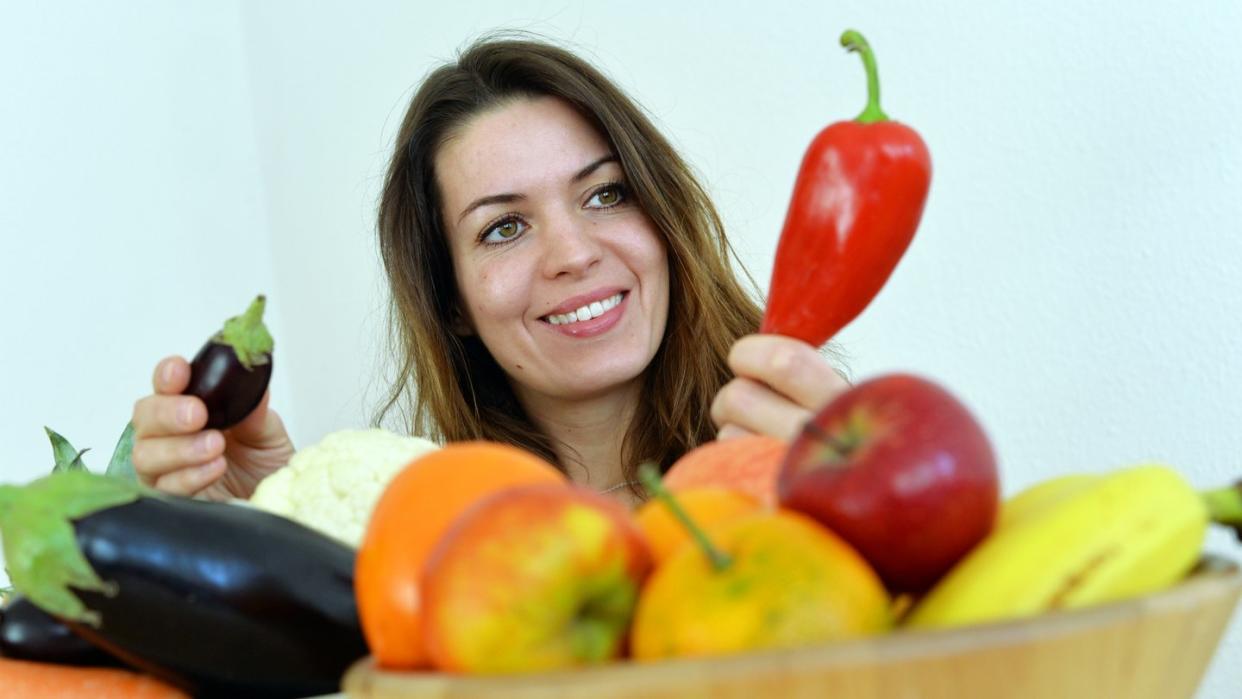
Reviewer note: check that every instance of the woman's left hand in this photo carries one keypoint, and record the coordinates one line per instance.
(781, 382)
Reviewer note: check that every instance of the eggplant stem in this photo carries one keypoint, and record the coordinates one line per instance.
(248, 336)
(42, 554)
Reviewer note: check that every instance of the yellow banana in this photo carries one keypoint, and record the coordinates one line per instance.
(1078, 542)
(1035, 499)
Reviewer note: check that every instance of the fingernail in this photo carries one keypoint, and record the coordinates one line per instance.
(208, 443)
(185, 414)
(168, 372)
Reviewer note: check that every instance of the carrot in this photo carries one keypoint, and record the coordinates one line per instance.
(31, 680)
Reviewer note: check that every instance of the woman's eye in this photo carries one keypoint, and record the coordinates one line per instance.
(610, 195)
(504, 231)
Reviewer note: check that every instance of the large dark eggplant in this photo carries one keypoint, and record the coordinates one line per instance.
(231, 371)
(29, 633)
(223, 600)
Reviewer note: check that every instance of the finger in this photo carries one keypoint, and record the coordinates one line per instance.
(192, 480)
(255, 424)
(161, 416)
(753, 406)
(731, 431)
(791, 367)
(158, 456)
(172, 376)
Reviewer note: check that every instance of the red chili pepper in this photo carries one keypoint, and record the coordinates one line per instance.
(855, 207)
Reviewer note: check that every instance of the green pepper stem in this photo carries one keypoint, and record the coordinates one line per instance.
(853, 41)
(1225, 507)
(650, 478)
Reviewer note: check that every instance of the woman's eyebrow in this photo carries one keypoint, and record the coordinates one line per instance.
(586, 171)
(489, 199)
(509, 198)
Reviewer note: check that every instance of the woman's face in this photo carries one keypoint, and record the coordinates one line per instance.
(560, 273)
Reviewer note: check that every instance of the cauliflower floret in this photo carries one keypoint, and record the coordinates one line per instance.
(332, 486)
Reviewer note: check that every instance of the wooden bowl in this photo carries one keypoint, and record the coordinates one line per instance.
(1156, 646)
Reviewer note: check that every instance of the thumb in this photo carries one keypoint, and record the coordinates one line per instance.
(253, 427)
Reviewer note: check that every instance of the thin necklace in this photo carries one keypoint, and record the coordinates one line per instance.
(617, 487)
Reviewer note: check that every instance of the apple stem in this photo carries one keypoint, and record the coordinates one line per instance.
(840, 448)
(1225, 507)
(650, 478)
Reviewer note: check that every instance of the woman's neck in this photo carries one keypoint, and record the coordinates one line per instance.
(588, 434)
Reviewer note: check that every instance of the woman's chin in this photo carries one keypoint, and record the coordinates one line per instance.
(600, 384)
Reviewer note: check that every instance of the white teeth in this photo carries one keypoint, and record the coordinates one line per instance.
(591, 310)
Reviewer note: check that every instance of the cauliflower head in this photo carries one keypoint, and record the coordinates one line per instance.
(333, 485)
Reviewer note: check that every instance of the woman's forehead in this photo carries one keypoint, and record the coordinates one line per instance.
(525, 144)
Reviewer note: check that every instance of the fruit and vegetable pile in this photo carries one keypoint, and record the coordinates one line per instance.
(883, 514)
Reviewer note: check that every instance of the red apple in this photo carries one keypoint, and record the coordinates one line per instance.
(901, 470)
(533, 578)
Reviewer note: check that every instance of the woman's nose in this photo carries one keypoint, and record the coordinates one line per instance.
(570, 247)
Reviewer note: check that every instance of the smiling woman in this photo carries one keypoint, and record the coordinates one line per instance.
(535, 226)
(560, 282)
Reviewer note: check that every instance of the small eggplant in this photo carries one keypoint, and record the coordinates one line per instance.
(29, 633)
(231, 371)
(220, 599)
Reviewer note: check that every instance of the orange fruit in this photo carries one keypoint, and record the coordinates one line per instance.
(408, 521)
(705, 506)
(790, 582)
(750, 464)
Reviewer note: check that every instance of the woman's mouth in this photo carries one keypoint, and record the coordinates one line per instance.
(591, 319)
(587, 312)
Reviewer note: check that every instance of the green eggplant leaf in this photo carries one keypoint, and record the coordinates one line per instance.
(77, 464)
(122, 464)
(67, 458)
(40, 548)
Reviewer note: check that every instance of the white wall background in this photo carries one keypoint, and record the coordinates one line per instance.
(1074, 279)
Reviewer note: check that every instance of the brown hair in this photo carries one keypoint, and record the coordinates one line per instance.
(455, 388)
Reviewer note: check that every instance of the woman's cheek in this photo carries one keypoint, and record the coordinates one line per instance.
(504, 293)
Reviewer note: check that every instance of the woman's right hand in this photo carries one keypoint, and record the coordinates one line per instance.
(173, 453)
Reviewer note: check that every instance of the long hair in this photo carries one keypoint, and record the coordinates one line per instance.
(449, 385)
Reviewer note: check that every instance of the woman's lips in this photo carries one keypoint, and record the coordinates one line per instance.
(594, 326)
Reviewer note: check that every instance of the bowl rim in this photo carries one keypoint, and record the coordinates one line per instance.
(1213, 577)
